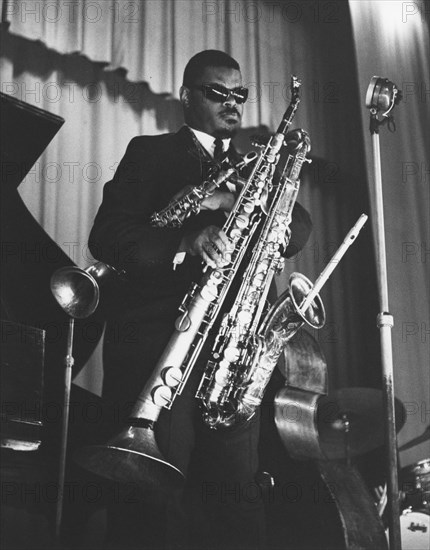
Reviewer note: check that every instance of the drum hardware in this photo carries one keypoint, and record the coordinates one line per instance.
(350, 422)
(380, 493)
(341, 426)
(415, 519)
(422, 476)
(77, 293)
(416, 485)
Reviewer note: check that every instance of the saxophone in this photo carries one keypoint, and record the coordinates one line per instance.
(243, 357)
(179, 210)
(133, 455)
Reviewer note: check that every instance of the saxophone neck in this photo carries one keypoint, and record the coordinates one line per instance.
(292, 108)
(299, 145)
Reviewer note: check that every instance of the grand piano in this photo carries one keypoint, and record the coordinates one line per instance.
(33, 337)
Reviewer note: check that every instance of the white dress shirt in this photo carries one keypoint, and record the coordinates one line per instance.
(208, 142)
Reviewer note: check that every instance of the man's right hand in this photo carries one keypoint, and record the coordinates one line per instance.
(211, 243)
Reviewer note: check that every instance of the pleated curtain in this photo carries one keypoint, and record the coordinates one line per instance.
(113, 69)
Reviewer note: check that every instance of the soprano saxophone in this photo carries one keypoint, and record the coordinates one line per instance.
(133, 455)
(175, 213)
(245, 354)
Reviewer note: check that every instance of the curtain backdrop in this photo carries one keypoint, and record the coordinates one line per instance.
(392, 41)
(118, 76)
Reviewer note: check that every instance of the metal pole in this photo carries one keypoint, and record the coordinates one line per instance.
(65, 428)
(385, 322)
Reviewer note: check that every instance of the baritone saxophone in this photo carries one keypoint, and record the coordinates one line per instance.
(245, 352)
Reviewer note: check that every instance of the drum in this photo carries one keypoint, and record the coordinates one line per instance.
(416, 485)
(415, 530)
(422, 481)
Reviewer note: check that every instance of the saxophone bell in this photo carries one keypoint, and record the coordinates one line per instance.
(284, 319)
(132, 454)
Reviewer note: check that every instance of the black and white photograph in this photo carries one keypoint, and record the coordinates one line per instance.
(215, 310)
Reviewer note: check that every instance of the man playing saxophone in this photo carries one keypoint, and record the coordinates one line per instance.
(160, 263)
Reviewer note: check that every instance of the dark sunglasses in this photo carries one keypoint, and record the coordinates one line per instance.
(220, 94)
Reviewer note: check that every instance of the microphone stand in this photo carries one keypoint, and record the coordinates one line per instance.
(77, 292)
(69, 361)
(385, 320)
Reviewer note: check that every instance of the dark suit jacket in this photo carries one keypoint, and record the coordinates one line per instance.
(152, 170)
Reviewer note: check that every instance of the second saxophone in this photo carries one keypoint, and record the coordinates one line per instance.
(243, 357)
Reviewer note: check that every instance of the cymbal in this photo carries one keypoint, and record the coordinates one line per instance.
(353, 419)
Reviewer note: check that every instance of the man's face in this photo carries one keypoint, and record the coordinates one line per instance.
(217, 119)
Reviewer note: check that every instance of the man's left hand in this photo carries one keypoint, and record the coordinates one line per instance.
(219, 200)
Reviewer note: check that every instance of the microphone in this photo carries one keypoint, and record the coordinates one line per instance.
(382, 95)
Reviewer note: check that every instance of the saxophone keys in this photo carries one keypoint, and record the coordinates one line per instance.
(242, 221)
(209, 292)
(231, 354)
(227, 258)
(244, 317)
(162, 396)
(183, 322)
(222, 374)
(273, 236)
(224, 364)
(172, 376)
(235, 233)
(216, 277)
(259, 279)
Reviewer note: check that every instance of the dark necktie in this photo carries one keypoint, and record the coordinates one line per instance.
(219, 150)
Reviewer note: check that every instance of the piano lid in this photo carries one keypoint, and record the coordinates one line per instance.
(25, 132)
(29, 256)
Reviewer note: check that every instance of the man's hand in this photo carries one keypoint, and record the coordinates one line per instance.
(211, 244)
(219, 200)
